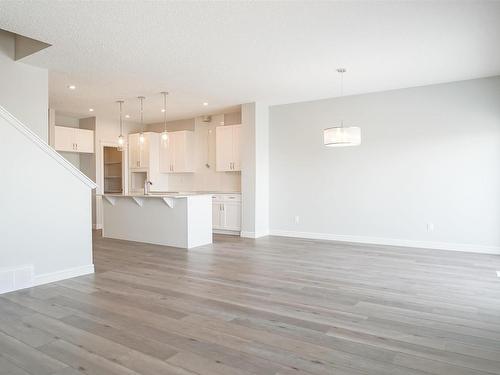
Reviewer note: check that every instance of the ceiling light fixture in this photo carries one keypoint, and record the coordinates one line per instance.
(341, 136)
(141, 136)
(121, 141)
(127, 116)
(71, 87)
(91, 109)
(205, 104)
(164, 135)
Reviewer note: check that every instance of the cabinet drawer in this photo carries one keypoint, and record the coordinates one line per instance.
(231, 197)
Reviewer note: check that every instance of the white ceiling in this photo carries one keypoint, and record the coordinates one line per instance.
(227, 53)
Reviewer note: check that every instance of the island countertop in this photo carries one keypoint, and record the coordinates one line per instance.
(157, 195)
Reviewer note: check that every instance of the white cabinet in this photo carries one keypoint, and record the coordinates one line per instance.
(226, 212)
(144, 163)
(73, 139)
(227, 148)
(139, 152)
(177, 153)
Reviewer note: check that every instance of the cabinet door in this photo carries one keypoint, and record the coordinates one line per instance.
(216, 215)
(232, 215)
(166, 153)
(180, 159)
(236, 148)
(64, 139)
(223, 148)
(84, 140)
(144, 151)
(133, 151)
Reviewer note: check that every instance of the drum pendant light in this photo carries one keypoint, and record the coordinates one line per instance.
(342, 136)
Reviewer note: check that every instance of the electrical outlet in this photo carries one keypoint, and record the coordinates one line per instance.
(297, 219)
(430, 227)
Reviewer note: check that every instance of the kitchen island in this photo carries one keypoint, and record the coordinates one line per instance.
(179, 220)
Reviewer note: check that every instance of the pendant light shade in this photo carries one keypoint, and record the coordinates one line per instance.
(342, 136)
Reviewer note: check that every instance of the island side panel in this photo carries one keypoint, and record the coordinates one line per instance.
(199, 220)
(155, 222)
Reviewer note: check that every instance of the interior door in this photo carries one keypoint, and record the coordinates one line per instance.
(236, 150)
(223, 148)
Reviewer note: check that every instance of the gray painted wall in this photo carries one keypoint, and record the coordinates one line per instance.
(428, 155)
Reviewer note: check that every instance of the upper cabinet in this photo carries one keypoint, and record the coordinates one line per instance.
(177, 153)
(227, 148)
(139, 153)
(73, 139)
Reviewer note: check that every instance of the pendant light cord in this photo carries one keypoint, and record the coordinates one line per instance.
(165, 110)
(121, 120)
(341, 71)
(142, 115)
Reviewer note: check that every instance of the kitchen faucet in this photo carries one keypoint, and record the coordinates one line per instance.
(147, 183)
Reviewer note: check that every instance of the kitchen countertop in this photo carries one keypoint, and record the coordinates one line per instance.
(181, 194)
(172, 194)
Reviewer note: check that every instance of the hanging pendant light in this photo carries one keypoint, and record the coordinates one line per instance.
(164, 135)
(141, 136)
(341, 136)
(121, 141)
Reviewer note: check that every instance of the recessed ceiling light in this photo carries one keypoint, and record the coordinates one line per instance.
(163, 110)
(91, 109)
(205, 104)
(71, 87)
(127, 116)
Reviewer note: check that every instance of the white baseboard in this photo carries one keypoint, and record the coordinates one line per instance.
(62, 275)
(484, 249)
(246, 234)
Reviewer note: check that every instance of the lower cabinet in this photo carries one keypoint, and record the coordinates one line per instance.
(226, 212)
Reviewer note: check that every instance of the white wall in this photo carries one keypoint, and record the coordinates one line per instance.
(255, 170)
(428, 155)
(45, 216)
(23, 89)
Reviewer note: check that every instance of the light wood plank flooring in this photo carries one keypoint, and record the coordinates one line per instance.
(268, 306)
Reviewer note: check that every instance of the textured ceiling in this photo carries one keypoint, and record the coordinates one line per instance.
(227, 53)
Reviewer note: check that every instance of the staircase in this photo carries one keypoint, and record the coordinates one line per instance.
(45, 211)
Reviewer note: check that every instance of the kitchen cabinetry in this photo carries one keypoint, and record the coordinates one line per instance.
(144, 163)
(139, 153)
(227, 148)
(73, 139)
(177, 153)
(226, 212)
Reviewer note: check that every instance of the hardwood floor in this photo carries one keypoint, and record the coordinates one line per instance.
(268, 306)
